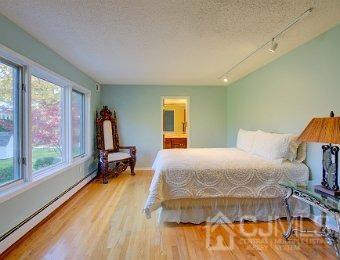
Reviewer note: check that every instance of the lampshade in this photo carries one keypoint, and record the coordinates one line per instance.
(322, 130)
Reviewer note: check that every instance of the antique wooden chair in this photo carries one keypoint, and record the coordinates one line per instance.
(111, 160)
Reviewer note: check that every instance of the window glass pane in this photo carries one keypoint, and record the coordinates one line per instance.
(9, 145)
(47, 122)
(77, 124)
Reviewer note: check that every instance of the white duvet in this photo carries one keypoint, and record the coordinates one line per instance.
(217, 173)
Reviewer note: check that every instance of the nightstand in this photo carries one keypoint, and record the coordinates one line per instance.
(330, 206)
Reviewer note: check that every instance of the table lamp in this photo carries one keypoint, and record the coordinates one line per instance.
(326, 130)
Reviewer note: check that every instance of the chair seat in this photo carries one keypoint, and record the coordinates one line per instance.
(118, 156)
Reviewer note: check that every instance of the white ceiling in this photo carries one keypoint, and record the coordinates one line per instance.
(187, 42)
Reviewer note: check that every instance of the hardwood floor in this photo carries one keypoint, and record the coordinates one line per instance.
(106, 222)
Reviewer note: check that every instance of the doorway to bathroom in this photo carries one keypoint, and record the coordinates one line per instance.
(175, 122)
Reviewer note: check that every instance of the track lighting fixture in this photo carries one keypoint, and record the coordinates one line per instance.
(273, 46)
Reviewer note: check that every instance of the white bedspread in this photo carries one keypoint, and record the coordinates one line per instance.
(217, 173)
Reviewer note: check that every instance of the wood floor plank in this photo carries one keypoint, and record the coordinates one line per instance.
(106, 222)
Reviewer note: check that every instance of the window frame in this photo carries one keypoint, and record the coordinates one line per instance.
(28, 179)
(87, 125)
(44, 76)
(18, 96)
(83, 124)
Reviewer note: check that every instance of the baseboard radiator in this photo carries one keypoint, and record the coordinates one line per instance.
(15, 233)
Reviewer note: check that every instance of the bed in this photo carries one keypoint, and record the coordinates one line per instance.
(196, 185)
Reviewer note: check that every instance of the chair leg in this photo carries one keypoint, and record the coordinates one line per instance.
(104, 167)
(105, 181)
(132, 167)
(99, 171)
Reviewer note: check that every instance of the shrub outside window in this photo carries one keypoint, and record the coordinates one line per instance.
(47, 123)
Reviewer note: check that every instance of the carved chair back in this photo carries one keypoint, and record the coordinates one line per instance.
(107, 134)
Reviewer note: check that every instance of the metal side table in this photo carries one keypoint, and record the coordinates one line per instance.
(329, 206)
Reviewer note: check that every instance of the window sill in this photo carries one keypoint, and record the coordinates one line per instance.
(21, 187)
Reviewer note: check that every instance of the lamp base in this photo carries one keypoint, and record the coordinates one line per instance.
(324, 190)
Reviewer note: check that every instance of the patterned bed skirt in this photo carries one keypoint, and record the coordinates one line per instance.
(227, 210)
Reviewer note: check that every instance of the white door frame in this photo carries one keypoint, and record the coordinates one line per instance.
(187, 116)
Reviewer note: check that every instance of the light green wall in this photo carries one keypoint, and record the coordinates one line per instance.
(139, 116)
(285, 94)
(282, 96)
(18, 208)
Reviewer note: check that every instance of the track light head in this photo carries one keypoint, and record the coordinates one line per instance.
(273, 46)
(225, 79)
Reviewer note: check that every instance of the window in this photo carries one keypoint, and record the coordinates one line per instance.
(78, 127)
(47, 124)
(10, 81)
(44, 122)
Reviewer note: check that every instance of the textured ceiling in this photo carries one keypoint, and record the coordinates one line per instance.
(174, 42)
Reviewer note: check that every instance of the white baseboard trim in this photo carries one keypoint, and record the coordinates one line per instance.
(143, 169)
(22, 230)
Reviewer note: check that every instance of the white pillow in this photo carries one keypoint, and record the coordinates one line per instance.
(245, 140)
(293, 148)
(271, 146)
(297, 150)
(301, 153)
